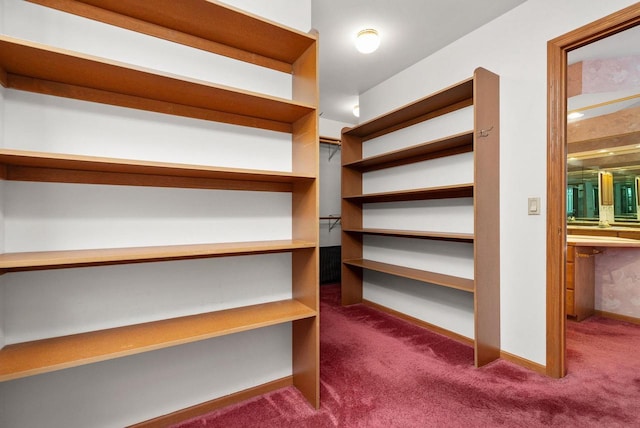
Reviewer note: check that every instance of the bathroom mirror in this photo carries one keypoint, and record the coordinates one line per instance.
(603, 128)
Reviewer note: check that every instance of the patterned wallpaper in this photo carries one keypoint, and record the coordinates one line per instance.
(618, 281)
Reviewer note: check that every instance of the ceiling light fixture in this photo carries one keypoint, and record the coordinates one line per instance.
(367, 40)
(356, 110)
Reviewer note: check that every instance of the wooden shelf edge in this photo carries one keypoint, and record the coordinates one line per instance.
(452, 98)
(440, 192)
(458, 283)
(330, 141)
(46, 355)
(37, 166)
(210, 26)
(25, 261)
(39, 68)
(442, 236)
(447, 146)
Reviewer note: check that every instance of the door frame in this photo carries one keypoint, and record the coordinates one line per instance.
(557, 50)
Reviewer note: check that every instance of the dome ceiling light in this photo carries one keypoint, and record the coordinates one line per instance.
(367, 40)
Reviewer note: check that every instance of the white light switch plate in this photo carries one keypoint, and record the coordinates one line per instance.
(534, 206)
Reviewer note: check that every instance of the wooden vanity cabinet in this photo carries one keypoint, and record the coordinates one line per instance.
(580, 282)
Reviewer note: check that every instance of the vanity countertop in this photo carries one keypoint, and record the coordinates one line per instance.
(595, 227)
(602, 241)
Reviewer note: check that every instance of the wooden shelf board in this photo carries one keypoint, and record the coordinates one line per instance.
(448, 281)
(448, 99)
(331, 141)
(441, 192)
(46, 355)
(459, 143)
(207, 25)
(442, 236)
(39, 68)
(24, 261)
(36, 166)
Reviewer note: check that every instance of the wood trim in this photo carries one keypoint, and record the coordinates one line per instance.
(523, 362)
(206, 25)
(619, 317)
(420, 323)
(215, 404)
(557, 50)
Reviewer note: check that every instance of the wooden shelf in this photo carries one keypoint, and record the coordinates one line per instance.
(449, 281)
(450, 99)
(330, 141)
(455, 144)
(482, 92)
(442, 192)
(35, 166)
(41, 356)
(211, 26)
(207, 25)
(12, 262)
(440, 236)
(43, 69)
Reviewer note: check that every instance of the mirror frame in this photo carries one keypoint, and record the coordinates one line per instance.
(557, 50)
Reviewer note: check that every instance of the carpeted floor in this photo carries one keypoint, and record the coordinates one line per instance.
(378, 371)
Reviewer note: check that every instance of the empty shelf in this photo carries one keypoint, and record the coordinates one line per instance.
(442, 236)
(449, 281)
(459, 143)
(206, 25)
(11, 262)
(36, 166)
(34, 67)
(444, 101)
(46, 355)
(441, 192)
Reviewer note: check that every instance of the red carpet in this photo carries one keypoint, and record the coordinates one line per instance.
(378, 371)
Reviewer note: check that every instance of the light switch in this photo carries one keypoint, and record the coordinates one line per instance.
(534, 206)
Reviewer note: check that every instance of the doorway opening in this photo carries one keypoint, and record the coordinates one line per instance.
(557, 70)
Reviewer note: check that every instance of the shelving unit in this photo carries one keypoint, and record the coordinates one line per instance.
(211, 26)
(482, 92)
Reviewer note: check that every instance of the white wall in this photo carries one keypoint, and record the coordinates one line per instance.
(514, 47)
(42, 216)
(330, 182)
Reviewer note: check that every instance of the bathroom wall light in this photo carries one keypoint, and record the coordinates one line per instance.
(356, 110)
(367, 40)
(575, 115)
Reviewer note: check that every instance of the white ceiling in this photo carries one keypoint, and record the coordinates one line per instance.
(410, 30)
